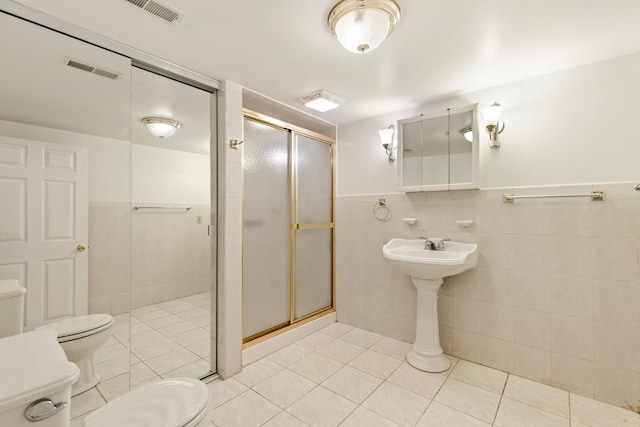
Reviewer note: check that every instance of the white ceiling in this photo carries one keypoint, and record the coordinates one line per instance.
(283, 48)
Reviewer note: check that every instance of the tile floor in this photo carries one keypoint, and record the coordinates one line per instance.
(168, 339)
(350, 377)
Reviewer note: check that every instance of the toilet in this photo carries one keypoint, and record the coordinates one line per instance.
(36, 379)
(78, 336)
(36, 388)
(175, 402)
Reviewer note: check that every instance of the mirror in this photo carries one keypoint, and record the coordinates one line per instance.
(171, 275)
(435, 154)
(66, 111)
(69, 106)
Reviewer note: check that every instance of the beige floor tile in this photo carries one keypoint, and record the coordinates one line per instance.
(336, 329)
(425, 384)
(341, 351)
(322, 407)
(480, 376)
(86, 402)
(361, 337)
(397, 404)
(376, 364)
(316, 367)
(438, 415)
(194, 370)
(515, 414)
(392, 347)
(315, 341)
(284, 388)
(114, 387)
(598, 414)
(289, 355)
(249, 409)
(469, 399)
(362, 417)
(170, 361)
(221, 391)
(285, 419)
(257, 372)
(538, 395)
(353, 384)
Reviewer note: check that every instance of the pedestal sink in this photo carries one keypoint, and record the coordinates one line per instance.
(427, 268)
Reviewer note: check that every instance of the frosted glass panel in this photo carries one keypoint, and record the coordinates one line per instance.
(313, 271)
(314, 181)
(265, 228)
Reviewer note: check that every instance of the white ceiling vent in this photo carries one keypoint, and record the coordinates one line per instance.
(93, 70)
(157, 9)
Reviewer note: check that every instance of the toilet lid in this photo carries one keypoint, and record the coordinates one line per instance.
(173, 402)
(79, 326)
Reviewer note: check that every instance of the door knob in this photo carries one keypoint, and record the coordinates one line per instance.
(80, 248)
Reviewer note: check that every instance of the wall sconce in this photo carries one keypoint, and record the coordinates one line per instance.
(387, 137)
(493, 124)
(161, 127)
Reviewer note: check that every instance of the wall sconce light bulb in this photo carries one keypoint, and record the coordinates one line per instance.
(387, 137)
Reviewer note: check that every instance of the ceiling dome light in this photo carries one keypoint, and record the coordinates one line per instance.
(362, 25)
(161, 127)
(467, 132)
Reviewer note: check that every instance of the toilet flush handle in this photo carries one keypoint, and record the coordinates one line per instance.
(42, 409)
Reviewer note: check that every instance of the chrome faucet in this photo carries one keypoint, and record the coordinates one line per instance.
(434, 244)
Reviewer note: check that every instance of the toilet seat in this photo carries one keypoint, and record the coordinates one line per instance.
(78, 327)
(175, 402)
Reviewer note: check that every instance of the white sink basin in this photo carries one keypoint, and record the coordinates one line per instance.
(427, 268)
(411, 258)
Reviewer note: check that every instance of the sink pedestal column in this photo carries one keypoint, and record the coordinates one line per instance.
(426, 353)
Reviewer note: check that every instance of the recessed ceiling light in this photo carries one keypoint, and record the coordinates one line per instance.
(321, 101)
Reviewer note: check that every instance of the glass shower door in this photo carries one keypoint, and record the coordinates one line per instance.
(313, 237)
(266, 213)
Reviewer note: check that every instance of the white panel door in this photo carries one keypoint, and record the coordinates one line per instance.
(44, 226)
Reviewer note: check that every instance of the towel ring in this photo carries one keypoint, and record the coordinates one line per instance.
(381, 210)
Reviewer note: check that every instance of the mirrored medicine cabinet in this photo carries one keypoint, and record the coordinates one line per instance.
(436, 153)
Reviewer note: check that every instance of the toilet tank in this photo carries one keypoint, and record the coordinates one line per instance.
(11, 307)
(35, 380)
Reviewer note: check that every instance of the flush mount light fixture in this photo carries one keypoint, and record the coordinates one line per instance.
(321, 100)
(161, 127)
(467, 132)
(387, 137)
(493, 124)
(362, 25)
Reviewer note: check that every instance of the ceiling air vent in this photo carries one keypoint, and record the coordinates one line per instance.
(161, 11)
(93, 70)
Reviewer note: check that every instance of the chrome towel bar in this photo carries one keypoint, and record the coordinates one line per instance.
(138, 208)
(594, 195)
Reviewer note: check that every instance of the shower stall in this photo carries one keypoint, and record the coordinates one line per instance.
(288, 227)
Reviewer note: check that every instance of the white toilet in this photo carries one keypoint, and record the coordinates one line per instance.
(79, 336)
(175, 402)
(35, 381)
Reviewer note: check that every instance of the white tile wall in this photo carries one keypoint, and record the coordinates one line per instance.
(555, 297)
(139, 258)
